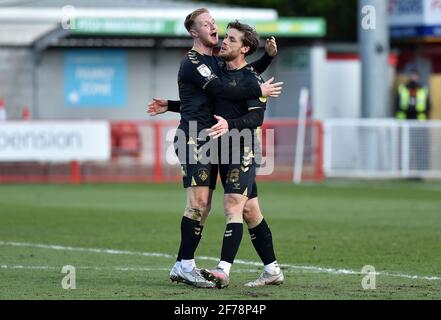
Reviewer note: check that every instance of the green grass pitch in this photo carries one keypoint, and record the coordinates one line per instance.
(323, 235)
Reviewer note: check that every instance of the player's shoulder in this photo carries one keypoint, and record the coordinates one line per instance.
(251, 74)
(191, 62)
(194, 60)
(251, 71)
(192, 57)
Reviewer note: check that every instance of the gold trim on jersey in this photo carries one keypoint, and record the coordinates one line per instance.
(193, 57)
(242, 66)
(194, 49)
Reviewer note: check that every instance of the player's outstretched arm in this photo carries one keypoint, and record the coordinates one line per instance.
(271, 46)
(202, 76)
(268, 89)
(158, 106)
(270, 52)
(251, 120)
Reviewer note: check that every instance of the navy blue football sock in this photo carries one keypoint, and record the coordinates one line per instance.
(191, 234)
(262, 240)
(232, 238)
(179, 258)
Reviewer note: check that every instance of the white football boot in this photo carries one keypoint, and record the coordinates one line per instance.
(194, 278)
(267, 279)
(174, 274)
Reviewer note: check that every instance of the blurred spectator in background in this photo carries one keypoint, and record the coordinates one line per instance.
(413, 103)
(412, 99)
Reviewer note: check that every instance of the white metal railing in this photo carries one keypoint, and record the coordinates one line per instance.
(382, 148)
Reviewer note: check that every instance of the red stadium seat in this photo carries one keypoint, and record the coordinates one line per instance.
(125, 139)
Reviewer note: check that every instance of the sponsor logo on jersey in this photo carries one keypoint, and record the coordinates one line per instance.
(204, 70)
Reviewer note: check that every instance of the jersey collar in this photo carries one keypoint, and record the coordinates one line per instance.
(238, 68)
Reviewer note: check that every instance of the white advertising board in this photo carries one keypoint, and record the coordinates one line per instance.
(55, 141)
(406, 12)
(414, 12)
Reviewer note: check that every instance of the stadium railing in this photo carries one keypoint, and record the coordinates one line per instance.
(382, 148)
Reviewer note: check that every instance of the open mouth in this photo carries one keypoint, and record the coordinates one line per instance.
(213, 35)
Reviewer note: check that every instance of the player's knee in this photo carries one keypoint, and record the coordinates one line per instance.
(196, 210)
(248, 215)
(233, 206)
(252, 217)
(233, 217)
(232, 201)
(205, 214)
(193, 213)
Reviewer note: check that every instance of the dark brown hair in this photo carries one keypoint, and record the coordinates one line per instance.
(250, 36)
(189, 20)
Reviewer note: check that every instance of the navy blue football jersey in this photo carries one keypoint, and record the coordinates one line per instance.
(232, 109)
(199, 84)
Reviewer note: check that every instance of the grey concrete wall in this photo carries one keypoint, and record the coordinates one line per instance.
(150, 73)
(293, 67)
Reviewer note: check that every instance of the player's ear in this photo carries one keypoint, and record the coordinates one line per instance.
(245, 49)
(193, 33)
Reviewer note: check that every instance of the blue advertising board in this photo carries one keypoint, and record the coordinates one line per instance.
(415, 31)
(95, 78)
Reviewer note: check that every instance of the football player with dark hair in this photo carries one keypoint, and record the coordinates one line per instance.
(238, 179)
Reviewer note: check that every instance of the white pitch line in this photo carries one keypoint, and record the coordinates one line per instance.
(93, 250)
(135, 269)
(5, 266)
(313, 269)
